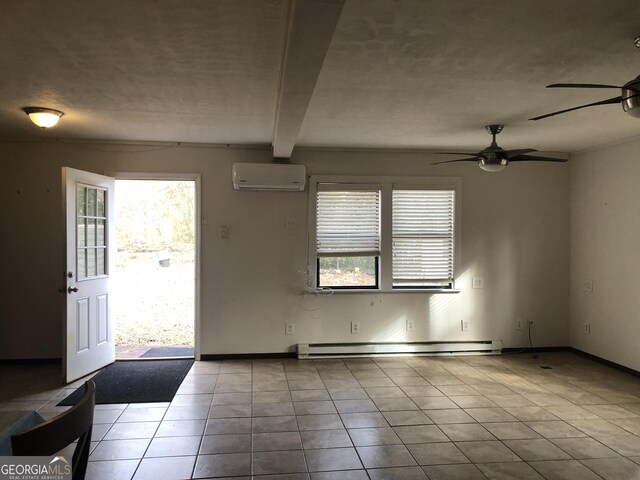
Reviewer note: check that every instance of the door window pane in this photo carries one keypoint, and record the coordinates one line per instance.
(91, 262)
(82, 263)
(100, 239)
(91, 232)
(100, 203)
(101, 261)
(82, 232)
(81, 200)
(91, 202)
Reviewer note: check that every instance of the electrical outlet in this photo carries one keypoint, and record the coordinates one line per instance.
(477, 282)
(288, 328)
(464, 325)
(586, 327)
(355, 328)
(291, 222)
(411, 325)
(588, 285)
(519, 324)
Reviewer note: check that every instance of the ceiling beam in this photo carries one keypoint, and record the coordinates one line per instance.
(311, 26)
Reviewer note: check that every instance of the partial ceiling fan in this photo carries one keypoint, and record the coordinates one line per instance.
(629, 95)
(494, 158)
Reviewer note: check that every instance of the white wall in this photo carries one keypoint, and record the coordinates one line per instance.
(605, 248)
(515, 229)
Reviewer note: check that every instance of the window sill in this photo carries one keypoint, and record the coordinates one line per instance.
(340, 291)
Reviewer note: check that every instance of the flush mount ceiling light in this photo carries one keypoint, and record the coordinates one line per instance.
(43, 117)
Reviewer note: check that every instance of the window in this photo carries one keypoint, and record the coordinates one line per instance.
(423, 238)
(384, 234)
(347, 236)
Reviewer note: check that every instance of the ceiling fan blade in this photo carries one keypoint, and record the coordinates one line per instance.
(468, 159)
(581, 85)
(509, 154)
(456, 153)
(535, 158)
(468, 154)
(602, 102)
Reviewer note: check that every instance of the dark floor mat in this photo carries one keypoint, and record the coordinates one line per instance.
(136, 382)
(168, 352)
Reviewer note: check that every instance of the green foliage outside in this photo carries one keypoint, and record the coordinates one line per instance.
(142, 227)
(348, 264)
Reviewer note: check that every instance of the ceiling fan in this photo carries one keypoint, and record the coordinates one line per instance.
(629, 96)
(494, 158)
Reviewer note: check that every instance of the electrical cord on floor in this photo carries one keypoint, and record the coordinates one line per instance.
(535, 355)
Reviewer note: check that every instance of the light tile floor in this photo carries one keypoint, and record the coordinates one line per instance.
(438, 418)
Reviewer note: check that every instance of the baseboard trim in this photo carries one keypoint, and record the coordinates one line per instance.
(606, 362)
(247, 356)
(30, 361)
(536, 349)
(395, 349)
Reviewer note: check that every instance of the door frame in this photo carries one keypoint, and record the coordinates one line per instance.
(196, 178)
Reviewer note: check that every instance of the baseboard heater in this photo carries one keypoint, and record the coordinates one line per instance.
(328, 350)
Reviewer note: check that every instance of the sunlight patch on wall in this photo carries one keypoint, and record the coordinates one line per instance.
(396, 331)
(440, 323)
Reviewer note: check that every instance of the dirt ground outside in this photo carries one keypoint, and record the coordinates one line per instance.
(336, 277)
(152, 305)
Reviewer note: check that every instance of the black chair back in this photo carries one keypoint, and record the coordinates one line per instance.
(50, 437)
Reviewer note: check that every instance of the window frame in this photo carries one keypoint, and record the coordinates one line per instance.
(385, 260)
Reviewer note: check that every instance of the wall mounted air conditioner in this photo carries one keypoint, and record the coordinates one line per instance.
(283, 177)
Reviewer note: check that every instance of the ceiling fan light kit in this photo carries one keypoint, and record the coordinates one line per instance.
(631, 98)
(492, 161)
(488, 166)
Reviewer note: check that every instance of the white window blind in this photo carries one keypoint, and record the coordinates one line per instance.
(348, 222)
(423, 238)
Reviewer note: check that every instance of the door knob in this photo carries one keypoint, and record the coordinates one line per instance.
(72, 289)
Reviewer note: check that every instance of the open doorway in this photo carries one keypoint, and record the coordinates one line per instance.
(153, 284)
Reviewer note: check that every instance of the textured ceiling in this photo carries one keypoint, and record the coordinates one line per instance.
(191, 71)
(423, 74)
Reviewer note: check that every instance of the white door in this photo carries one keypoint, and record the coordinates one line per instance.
(89, 339)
